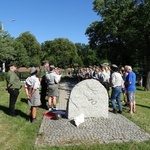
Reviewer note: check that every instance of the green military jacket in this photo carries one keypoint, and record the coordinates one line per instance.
(42, 72)
(12, 78)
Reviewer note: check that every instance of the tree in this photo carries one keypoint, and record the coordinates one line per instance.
(123, 32)
(113, 32)
(143, 28)
(87, 55)
(7, 52)
(31, 45)
(21, 57)
(61, 51)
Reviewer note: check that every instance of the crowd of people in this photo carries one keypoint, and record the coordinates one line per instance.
(120, 80)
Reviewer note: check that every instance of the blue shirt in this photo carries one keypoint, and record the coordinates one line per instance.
(131, 77)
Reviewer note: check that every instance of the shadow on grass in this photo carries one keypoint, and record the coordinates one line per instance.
(143, 106)
(140, 89)
(18, 112)
(24, 100)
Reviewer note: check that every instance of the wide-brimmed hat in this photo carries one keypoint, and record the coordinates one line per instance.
(114, 66)
(33, 70)
(52, 66)
(106, 64)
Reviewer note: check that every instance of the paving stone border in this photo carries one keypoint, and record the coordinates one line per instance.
(114, 129)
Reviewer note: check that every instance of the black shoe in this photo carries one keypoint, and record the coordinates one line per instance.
(120, 112)
(114, 111)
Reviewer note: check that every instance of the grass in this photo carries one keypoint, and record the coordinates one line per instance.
(19, 134)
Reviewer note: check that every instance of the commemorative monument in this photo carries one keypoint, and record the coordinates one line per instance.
(88, 97)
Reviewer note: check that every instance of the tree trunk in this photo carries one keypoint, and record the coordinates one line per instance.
(147, 87)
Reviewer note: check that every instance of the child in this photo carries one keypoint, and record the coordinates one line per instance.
(32, 85)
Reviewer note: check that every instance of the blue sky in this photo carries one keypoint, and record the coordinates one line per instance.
(48, 19)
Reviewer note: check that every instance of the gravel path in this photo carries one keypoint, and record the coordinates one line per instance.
(116, 128)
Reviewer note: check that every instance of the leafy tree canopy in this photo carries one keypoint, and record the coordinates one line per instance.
(60, 51)
(7, 52)
(30, 43)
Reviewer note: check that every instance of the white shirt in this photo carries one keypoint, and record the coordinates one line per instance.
(105, 76)
(32, 81)
(116, 79)
(52, 78)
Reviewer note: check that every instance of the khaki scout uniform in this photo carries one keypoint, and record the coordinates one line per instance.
(14, 80)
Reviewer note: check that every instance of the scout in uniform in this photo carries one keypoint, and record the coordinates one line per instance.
(32, 85)
(43, 71)
(13, 87)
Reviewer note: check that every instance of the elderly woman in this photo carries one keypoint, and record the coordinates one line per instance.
(32, 85)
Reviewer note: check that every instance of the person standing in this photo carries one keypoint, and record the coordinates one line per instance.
(43, 71)
(104, 77)
(32, 86)
(52, 80)
(116, 82)
(124, 75)
(13, 87)
(130, 85)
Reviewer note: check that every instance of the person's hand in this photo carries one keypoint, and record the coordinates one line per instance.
(28, 96)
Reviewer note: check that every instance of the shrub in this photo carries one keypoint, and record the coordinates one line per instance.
(23, 75)
(2, 76)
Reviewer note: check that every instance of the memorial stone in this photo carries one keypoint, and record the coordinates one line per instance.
(88, 97)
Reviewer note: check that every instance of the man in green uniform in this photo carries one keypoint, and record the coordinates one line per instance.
(42, 73)
(13, 87)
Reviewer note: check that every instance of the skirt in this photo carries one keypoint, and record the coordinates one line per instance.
(35, 99)
(53, 90)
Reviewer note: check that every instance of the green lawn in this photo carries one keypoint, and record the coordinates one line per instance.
(19, 134)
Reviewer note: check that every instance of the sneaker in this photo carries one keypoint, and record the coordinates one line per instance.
(54, 108)
(50, 109)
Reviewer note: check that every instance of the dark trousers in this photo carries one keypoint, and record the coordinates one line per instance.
(43, 93)
(106, 85)
(12, 100)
